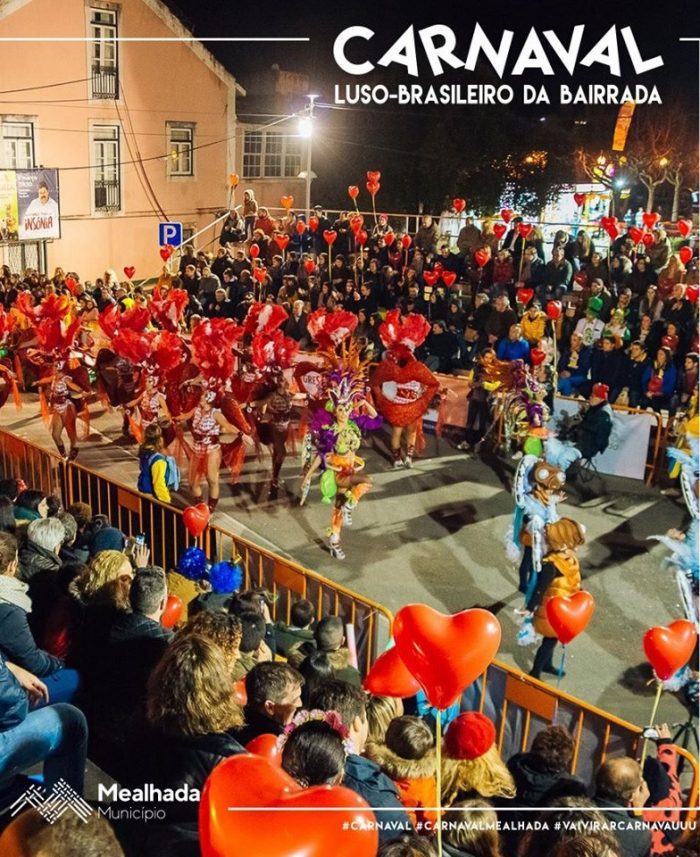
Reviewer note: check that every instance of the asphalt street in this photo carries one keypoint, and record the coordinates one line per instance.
(435, 534)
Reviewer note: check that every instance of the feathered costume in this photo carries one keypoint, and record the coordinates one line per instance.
(8, 379)
(336, 429)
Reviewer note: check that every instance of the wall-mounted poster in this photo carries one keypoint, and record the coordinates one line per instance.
(38, 204)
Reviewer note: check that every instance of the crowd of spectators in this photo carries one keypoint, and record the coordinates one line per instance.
(88, 670)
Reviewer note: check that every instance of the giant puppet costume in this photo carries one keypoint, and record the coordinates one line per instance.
(403, 387)
(335, 431)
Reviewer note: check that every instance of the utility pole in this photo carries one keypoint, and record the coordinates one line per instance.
(307, 131)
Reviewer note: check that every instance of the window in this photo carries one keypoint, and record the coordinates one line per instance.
(17, 145)
(103, 53)
(180, 149)
(271, 155)
(105, 152)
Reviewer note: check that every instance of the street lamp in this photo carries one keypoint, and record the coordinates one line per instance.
(306, 126)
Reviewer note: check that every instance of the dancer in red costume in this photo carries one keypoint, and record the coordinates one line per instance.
(402, 386)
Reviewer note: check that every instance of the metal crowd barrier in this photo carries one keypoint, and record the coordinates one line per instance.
(519, 705)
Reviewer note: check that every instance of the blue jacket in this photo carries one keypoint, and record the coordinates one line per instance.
(513, 350)
(668, 382)
(366, 779)
(14, 705)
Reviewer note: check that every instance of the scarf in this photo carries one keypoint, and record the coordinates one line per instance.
(13, 591)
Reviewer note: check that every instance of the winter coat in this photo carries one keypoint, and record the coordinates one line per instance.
(366, 779)
(560, 575)
(536, 785)
(288, 636)
(14, 704)
(630, 830)
(414, 780)
(593, 433)
(665, 793)
(38, 567)
(533, 329)
(16, 641)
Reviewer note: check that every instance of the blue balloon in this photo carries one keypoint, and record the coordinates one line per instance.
(225, 578)
(192, 564)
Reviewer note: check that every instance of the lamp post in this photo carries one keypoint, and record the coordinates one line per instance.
(306, 127)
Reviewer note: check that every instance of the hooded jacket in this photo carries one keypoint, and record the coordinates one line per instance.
(366, 779)
(16, 640)
(14, 704)
(537, 786)
(414, 780)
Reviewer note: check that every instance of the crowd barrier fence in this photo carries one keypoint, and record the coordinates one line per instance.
(518, 704)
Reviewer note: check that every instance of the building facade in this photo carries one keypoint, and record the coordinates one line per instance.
(141, 131)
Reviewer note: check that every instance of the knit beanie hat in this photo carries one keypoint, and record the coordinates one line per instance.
(469, 736)
(107, 539)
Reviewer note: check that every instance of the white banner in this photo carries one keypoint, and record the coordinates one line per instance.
(629, 441)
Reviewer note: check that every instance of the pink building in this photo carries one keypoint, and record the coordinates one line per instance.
(140, 131)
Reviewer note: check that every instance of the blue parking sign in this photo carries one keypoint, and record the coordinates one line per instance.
(170, 233)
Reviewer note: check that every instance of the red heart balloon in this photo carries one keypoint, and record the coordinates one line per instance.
(281, 241)
(287, 201)
(390, 677)
(669, 648)
(507, 214)
(260, 273)
(608, 221)
(373, 176)
(579, 198)
(166, 252)
(647, 239)
(524, 296)
(684, 227)
(173, 611)
(240, 694)
(129, 271)
(362, 237)
(430, 277)
(247, 781)
(330, 235)
(612, 231)
(353, 191)
(459, 204)
(499, 230)
(438, 267)
(233, 180)
(196, 519)
(691, 293)
(300, 227)
(481, 257)
(406, 242)
(581, 278)
(309, 266)
(356, 223)
(636, 234)
(651, 218)
(537, 356)
(254, 251)
(389, 238)
(685, 254)
(554, 310)
(525, 229)
(372, 187)
(445, 653)
(266, 746)
(569, 615)
(448, 278)
(313, 223)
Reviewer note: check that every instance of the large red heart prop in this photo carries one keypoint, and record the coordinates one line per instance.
(647, 239)
(373, 176)
(684, 227)
(313, 223)
(579, 198)
(254, 251)
(499, 230)
(389, 677)
(300, 227)
(481, 257)
(361, 237)
(406, 242)
(569, 615)
(267, 747)
(389, 238)
(129, 271)
(685, 254)
(445, 653)
(669, 648)
(430, 277)
(166, 252)
(281, 241)
(636, 234)
(329, 236)
(372, 188)
(309, 266)
(173, 611)
(287, 201)
(692, 292)
(233, 180)
(356, 223)
(459, 204)
(507, 214)
(554, 310)
(581, 278)
(537, 356)
(524, 296)
(196, 519)
(402, 393)
(353, 191)
(247, 781)
(651, 218)
(448, 278)
(524, 229)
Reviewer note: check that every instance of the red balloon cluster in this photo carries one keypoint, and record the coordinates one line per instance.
(373, 185)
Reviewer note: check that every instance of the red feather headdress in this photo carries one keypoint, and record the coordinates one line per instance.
(330, 329)
(273, 351)
(168, 310)
(212, 343)
(264, 318)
